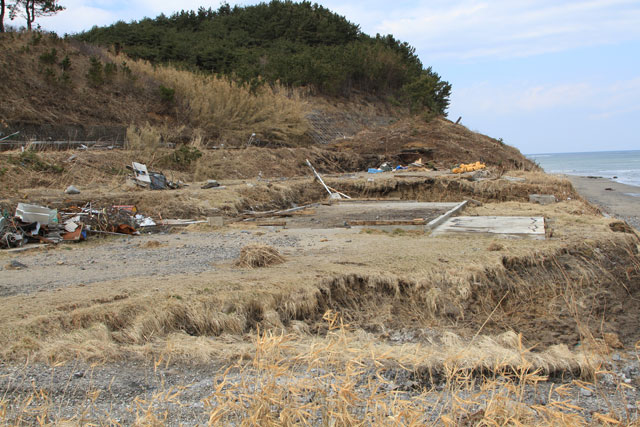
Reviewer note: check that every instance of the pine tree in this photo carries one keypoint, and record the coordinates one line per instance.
(32, 9)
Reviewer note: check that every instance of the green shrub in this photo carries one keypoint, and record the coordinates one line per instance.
(49, 75)
(167, 94)
(95, 75)
(30, 160)
(36, 38)
(50, 57)
(110, 70)
(125, 70)
(181, 158)
(65, 64)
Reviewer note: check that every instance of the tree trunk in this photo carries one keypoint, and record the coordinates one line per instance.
(2, 6)
(29, 9)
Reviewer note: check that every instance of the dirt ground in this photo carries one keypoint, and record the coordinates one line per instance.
(169, 322)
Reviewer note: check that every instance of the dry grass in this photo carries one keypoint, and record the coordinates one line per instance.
(207, 110)
(228, 112)
(347, 378)
(258, 255)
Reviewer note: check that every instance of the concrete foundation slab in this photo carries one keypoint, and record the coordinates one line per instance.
(394, 214)
(506, 226)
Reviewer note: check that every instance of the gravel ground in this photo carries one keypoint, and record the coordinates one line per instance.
(128, 257)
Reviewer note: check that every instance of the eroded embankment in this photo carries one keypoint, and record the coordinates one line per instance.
(561, 296)
(427, 189)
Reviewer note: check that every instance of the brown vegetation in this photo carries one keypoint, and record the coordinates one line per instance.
(162, 103)
(258, 255)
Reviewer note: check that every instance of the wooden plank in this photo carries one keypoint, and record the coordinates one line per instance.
(419, 221)
(371, 199)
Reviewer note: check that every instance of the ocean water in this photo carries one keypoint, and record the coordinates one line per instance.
(621, 166)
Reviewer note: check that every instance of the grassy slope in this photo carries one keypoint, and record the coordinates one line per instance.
(39, 91)
(208, 110)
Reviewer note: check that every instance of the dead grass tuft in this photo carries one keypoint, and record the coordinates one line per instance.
(621, 227)
(495, 246)
(258, 255)
(151, 244)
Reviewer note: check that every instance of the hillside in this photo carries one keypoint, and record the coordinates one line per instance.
(65, 83)
(69, 90)
(295, 44)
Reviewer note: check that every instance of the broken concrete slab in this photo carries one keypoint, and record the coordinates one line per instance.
(72, 190)
(215, 221)
(513, 178)
(543, 199)
(507, 226)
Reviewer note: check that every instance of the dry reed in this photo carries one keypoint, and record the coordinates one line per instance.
(226, 110)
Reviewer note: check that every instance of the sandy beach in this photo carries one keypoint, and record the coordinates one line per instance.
(613, 198)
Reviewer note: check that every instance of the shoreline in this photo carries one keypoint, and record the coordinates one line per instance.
(611, 197)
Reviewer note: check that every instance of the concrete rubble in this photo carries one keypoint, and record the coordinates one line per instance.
(543, 199)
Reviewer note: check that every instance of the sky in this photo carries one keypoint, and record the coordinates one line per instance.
(544, 75)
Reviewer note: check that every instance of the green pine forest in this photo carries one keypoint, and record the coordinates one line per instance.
(295, 44)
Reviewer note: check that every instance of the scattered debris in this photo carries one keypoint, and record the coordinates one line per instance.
(75, 235)
(141, 174)
(31, 223)
(386, 167)
(258, 255)
(332, 194)
(144, 221)
(480, 175)
(543, 199)
(152, 180)
(40, 224)
(9, 136)
(72, 190)
(127, 208)
(212, 183)
(180, 222)
(15, 265)
(34, 213)
(470, 167)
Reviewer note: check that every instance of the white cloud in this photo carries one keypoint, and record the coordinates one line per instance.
(600, 100)
(468, 29)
